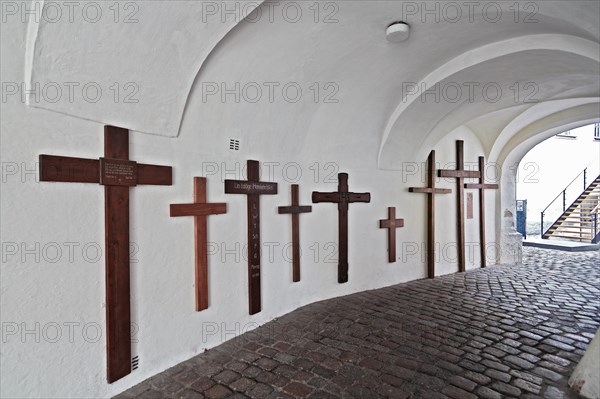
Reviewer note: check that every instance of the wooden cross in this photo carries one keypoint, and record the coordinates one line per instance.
(342, 197)
(253, 188)
(295, 210)
(200, 209)
(391, 223)
(460, 175)
(116, 173)
(431, 191)
(481, 186)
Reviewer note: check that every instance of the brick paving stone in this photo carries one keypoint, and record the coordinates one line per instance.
(498, 375)
(520, 362)
(487, 393)
(217, 392)
(457, 393)
(502, 331)
(505, 388)
(298, 390)
(527, 386)
(462, 382)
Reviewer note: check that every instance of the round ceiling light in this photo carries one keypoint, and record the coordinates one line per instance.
(397, 32)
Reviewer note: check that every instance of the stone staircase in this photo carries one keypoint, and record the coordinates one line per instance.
(580, 221)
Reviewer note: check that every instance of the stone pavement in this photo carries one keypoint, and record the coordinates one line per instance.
(499, 332)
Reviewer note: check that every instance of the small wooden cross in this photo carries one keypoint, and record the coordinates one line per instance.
(481, 186)
(391, 223)
(253, 188)
(431, 191)
(116, 173)
(460, 175)
(295, 210)
(342, 197)
(200, 209)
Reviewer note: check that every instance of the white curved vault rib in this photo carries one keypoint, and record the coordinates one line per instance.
(112, 63)
(477, 62)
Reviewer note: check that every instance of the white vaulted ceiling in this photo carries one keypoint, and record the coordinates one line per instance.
(543, 56)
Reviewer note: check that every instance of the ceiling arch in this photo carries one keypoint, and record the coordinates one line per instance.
(522, 72)
(130, 64)
(157, 59)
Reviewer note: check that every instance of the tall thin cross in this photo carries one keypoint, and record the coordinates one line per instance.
(253, 188)
(482, 186)
(116, 173)
(200, 209)
(431, 191)
(342, 197)
(460, 175)
(295, 210)
(391, 223)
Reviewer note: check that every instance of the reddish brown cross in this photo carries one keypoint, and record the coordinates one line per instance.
(295, 210)
(342, 197)
(116, 173)
(200, 209)
(481, 186)
(460, 175)
(253, 188)
(391, 223)
(431, 191)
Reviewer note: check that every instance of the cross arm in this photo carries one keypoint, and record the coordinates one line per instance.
(359, 197)
(325, 197)
(482, 186)
(295, 209)
(155, 174)
(198, 209)
(464, 174)
(82, 170)
(67, 169)
(427, 190)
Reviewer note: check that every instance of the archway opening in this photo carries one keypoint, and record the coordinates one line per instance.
(551, 177)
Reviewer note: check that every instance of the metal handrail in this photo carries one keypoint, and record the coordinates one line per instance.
(584, 172)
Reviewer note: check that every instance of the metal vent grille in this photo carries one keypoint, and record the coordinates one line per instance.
(234, 144)
(135, 362)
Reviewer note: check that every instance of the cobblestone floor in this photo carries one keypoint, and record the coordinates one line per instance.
(492, 333)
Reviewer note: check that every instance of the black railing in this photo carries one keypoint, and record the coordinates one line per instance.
(555, 210)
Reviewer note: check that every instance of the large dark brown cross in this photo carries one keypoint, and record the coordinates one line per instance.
(460, 175)
(116, 173)
(391, 223)
(482, 186)
(295, 210)
(342, 197)
(253, 188)
(200, 209)
(431, 191)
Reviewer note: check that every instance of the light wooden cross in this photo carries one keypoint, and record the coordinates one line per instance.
(342, 197)
(200, 209)
(117, 174)
(431, 191)
(391, 223)
(460, 175)
(253, 188)
(482, 186)
(295, 210)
